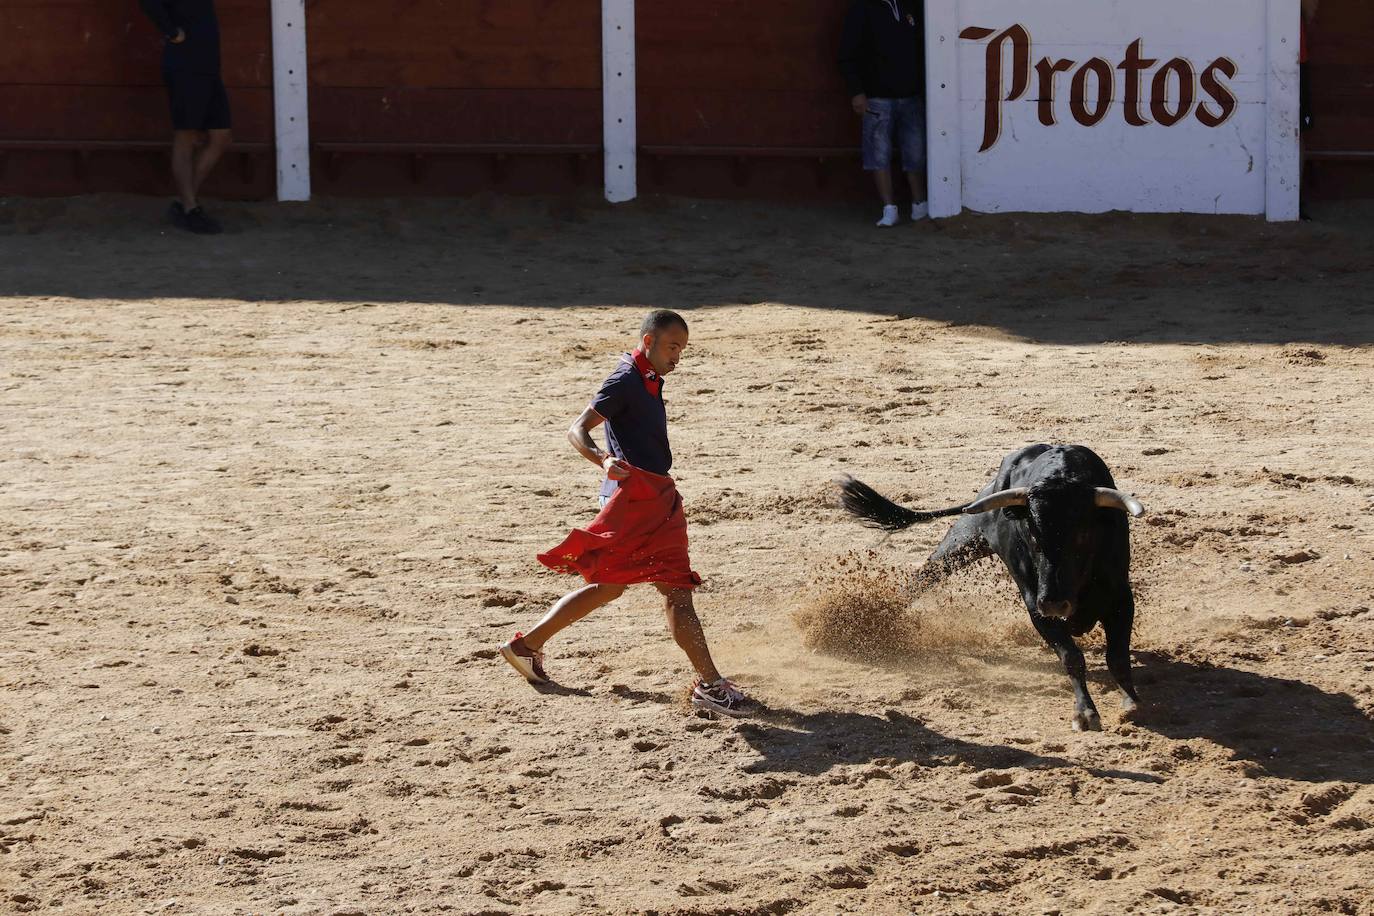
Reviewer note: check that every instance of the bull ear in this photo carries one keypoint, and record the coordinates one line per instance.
(1016, 496)
(1108, 498)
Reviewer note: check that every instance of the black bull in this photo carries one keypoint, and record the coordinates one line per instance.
(1054, 516)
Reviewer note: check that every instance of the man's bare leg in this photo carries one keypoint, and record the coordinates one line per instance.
(571, 608)
(917, 181)
(883, 179)
(685, 627)
(184, 167)
(209, 157)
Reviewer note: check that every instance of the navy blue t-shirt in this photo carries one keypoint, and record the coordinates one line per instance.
(636, 423)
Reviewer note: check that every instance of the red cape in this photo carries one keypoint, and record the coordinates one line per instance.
(640, 535)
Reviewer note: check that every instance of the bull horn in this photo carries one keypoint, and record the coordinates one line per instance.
(1108, 498)
(1016, 496)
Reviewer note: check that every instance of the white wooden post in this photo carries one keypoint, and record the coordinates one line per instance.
(289, 99)
(619, 136)
(944, 176)
(1283, 159)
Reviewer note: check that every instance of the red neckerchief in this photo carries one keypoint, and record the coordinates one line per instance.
(652, 381)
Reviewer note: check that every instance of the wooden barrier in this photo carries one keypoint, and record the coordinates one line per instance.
(457, 96)
(84, 78)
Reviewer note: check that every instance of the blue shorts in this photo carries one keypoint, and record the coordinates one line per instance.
(899, 122)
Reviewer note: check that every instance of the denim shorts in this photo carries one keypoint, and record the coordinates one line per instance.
(899, 122)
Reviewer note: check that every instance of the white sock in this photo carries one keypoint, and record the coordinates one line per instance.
(889, 217)
(920, 211)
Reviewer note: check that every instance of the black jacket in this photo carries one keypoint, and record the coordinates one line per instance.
(199, 53)
(883, 49)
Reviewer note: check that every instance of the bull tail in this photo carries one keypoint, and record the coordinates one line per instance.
(877, 511)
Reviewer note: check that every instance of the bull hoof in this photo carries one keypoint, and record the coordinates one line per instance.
(1087, 721)
(1129, 708)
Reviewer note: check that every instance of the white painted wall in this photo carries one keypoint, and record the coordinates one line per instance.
(944, 173)
(1246, 165)
(1283, 152)
(290, 99)
(619, 135)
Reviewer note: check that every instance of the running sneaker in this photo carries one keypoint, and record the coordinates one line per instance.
(721, 697)
(176, 214)
(529, 662)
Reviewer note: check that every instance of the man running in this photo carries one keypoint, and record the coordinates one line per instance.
(198, 100)
(641, 533)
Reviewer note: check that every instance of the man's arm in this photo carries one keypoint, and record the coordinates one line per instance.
(160, 13)
(580, 435)
(851, 55)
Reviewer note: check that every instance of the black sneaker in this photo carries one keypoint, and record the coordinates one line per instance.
(176, 213)
(199, 222)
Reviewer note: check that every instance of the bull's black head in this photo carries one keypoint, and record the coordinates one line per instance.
(1064, 525)
(1064, 528)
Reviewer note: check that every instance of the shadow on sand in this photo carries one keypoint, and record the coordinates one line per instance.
(812, 743)
(1276, 726)
(1053, 278)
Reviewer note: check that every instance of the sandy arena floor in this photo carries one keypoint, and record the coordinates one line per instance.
(268, 501)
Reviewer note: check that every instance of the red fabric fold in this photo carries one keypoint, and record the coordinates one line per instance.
(640, 535)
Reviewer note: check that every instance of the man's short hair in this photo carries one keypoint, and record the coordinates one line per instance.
(659, 320)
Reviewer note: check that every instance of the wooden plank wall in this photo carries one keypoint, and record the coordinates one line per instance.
(724, 72)
(738, 74)
(712, 73)
(91, 70)
(1341, 70)
(507, 72)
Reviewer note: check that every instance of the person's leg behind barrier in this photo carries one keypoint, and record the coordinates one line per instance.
(183, 173)
(877, 154)
(910, 129)
(217, 122)
(198, 104)
(210, 154)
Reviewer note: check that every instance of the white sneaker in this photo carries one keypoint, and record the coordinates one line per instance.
(721, 697)
(889, 217)
(531, 666)
(920, 211)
